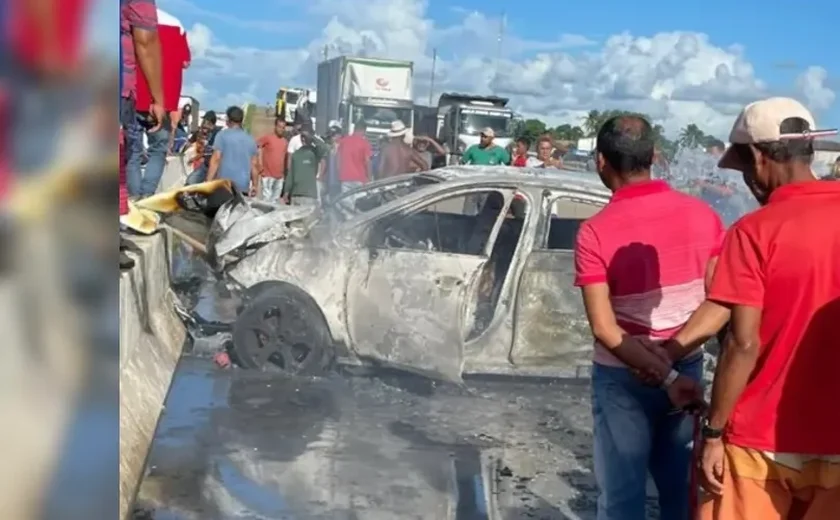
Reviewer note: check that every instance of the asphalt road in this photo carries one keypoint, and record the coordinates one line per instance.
(251, 445)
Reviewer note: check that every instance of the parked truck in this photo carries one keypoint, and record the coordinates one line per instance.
(378, 91)
(462, 117)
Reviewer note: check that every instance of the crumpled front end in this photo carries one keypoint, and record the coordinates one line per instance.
(243, 226)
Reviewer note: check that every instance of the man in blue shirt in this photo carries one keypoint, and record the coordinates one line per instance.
(235, 155)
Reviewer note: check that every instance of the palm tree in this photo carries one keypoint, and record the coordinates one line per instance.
(592, 122)
(691, 136)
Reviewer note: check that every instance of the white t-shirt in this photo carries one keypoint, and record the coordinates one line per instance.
(294, 144)
(533, 162)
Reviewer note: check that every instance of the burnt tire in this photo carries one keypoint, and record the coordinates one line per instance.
(281, 327)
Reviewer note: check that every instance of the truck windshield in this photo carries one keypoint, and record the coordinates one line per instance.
(381, 117)
(292, 98)
(473, 124)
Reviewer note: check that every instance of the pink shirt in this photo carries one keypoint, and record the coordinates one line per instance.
(651, 245)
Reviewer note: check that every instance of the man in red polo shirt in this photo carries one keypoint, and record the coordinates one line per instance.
(772, 437)
(641, 263)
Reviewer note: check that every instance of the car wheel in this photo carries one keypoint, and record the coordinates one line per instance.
(281, 326)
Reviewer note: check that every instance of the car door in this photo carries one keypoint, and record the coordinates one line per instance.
(408, 297)
(551, 330)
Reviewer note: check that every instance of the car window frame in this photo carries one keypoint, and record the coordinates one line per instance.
(418, 205)
(548, 200)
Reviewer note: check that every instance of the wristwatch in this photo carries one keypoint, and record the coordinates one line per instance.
(710, 433)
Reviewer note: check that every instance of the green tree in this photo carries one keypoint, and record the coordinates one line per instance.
(567, 132)
(592, 122)
(691, 137)
(531, 129)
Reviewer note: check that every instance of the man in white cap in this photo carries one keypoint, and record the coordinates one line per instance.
(397, 157)
(486, 152)
(771, 446)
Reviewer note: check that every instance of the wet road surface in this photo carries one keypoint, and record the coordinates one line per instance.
(256, 445)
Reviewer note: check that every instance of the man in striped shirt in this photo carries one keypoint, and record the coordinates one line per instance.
(642, 263)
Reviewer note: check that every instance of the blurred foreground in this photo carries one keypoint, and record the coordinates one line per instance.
(59, 312)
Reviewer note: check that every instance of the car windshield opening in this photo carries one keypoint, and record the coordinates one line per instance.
(371, 197)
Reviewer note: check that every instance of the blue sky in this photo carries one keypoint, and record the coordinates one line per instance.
(765, 49)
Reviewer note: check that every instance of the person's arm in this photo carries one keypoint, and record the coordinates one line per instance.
(738, 283)
(142, 17)
(591, 277)
(437, 149)
(288, 181)
(504, 155)
(255, 176)
(261, 142)
(216, 156)
(466, 158)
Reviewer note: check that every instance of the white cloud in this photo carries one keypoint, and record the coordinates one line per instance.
(811, 85)
(676, 77)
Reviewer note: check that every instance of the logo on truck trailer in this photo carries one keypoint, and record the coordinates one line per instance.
(383, 84)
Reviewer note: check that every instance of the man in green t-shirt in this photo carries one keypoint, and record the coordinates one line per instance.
(486, 153)
(300, 187)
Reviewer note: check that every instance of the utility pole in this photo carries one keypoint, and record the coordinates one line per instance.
(432, 83)
(499, 39)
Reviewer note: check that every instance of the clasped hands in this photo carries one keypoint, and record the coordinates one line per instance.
(684, 392)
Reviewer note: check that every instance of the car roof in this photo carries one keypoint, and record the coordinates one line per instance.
(527, 176)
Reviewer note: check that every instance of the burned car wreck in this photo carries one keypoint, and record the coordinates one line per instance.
(454, 271)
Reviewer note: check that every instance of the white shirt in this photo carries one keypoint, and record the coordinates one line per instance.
(294, 144)
(533, 161)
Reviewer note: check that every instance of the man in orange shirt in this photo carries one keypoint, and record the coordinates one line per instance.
(772, 436)
(272, 161)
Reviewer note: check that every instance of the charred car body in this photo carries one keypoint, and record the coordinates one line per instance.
(459, 270)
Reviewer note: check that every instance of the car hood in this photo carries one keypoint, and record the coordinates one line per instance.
(242, 224)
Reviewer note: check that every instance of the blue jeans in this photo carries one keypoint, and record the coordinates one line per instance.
(197, 176)
(158, 147)
(142, 184)
(636, 431)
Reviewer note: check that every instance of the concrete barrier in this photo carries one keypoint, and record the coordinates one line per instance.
(151, 339)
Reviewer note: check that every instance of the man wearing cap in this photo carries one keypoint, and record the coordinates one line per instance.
(301, 185)
(485, 152)
(397, 156)
(330, 183)
(772, 435)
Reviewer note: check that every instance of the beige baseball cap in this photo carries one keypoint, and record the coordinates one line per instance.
(761, 122)
(488, 132)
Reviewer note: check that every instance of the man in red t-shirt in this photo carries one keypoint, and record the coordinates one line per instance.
(772, 437)
(641, 263)
(354, 153)
(271, 161)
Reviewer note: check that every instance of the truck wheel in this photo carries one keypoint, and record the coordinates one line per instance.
(281, 326)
